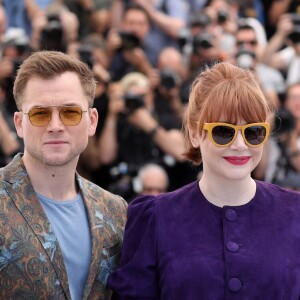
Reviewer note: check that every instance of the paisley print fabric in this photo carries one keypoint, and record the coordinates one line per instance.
(31, 262)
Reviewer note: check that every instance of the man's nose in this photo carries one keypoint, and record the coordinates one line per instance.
(55, 123)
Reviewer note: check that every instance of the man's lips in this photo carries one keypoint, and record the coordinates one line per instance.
(55, 142)
(237, 160)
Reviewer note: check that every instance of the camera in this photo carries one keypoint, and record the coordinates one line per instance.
(284, 121)
(222, 16)
(294, 36)
(295, 18)
(203, 40)
(200, 19)
(52, 36)
(86, 55)
(245, 58)
(129, 40)
(133, 101)
(183, 37)
(168, 78)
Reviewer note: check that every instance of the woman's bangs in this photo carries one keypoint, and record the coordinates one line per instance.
(231, 105)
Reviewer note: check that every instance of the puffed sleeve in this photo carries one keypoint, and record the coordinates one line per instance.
(136, 277)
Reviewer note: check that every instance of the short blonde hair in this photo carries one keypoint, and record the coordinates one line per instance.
(134, 79)
(227, 90)
(48, 65)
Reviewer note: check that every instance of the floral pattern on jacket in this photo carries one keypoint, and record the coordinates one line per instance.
(31, 261)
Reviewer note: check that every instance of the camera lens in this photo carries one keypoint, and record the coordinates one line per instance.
(203, 40)
(168, 78)
(295, 35)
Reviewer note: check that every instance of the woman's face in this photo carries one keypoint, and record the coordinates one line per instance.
(234, 162)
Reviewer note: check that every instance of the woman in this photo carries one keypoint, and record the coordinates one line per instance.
(226, 236)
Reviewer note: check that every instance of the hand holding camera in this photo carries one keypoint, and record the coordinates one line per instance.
(285, 25)
(141, 118)
(122, 41)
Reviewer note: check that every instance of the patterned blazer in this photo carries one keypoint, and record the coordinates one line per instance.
(31, 261)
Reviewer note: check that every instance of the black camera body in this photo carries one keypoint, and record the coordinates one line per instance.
(222, 16)
(203, 40)
(284, 122)
(294, 36)
(168, 78)
(200, 19)
(133, 101)
(129, 40)
(52, 35)
(86, 55)
(295, 18)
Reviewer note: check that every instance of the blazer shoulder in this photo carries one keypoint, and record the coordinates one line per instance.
(97, 193)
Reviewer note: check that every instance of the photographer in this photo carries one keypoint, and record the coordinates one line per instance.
(172, 73)
(15, 49)
(131, 135)
(126, 47)
(169, 108)
(167, 18)
(247, 54)
(283, 49)
(281, 158)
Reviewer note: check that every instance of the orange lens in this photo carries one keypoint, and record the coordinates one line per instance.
(69, 115)
(39, 116)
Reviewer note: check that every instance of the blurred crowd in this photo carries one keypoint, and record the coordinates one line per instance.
(145, 55)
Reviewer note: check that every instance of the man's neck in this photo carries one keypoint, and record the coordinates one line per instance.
(55, 182)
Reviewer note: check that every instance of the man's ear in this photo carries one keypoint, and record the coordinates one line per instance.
(93, 121)
(18, 121)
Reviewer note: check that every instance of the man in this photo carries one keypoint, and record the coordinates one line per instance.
(153, 179)
(167, 19)
(127, 49)
(283, 49)
(60, 234)
(248, 53)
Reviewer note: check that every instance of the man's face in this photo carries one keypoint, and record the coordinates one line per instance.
(247, 39)
(292, 102)
(136, 21)
(55, 144)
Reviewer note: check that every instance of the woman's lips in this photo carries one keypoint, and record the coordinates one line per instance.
(237, 160)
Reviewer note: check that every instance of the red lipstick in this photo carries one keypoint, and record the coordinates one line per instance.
(237, 160)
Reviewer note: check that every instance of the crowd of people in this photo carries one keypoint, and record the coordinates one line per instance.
(149, 149)
(145, 55)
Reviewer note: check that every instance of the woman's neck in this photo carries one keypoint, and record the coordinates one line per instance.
(228, 192)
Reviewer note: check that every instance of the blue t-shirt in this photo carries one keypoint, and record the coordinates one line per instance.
(70, 224)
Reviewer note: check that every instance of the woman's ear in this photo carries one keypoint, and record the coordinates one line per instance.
(194, 137)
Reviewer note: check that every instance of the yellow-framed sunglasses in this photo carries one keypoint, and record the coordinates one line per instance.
(223, 134)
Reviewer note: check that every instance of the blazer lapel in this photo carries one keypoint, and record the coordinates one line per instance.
(103, 233)
(96, 237)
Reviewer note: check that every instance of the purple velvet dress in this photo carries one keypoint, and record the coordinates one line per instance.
(180, 246)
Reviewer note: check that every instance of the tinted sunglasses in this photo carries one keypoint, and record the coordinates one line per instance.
(41, 116)
(223, 134)
(251, 42)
